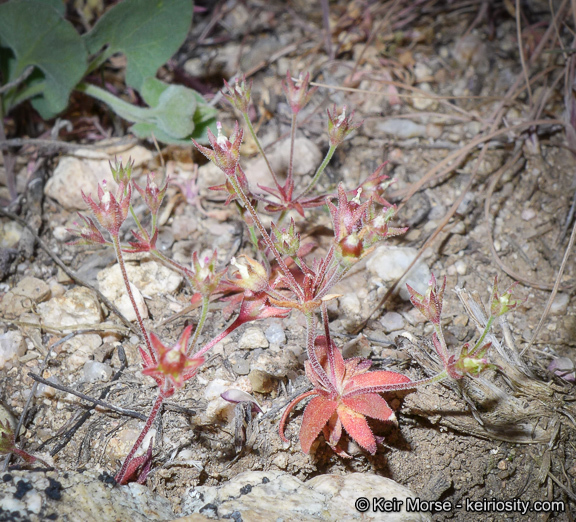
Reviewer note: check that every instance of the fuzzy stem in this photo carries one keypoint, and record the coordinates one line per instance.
(484, 333)
(236, 324)
(186, 271)
(328, 341)
(260, 149)
(122, 265)
(151, 417)
(200, 325)
(289, 177)
(269, 243)
(444, 352)
(321, 168)
(312, 357)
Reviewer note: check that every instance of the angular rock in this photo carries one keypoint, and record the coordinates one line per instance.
(12, 346)
(77, 497)
(149, 278)
(390, 262)
(253, 338)
(23, 296)
(81, 348)
(274, 495)
(77, 306)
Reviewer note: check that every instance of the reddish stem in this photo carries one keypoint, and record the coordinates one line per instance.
(122, 265)
(120, 476)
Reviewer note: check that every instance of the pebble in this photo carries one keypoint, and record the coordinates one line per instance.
(392, 321)
(95, 371)
(461, 267)
(253, 338)
(421, 102)
(390, 262)
(262, 382)
(560, 304)
(81, 348)
(12, 346)
(219, 409)
(77, 306)
(275, 495)
(10, 234)
(23, 296)
(275, 334)
(400, 128)
(528, 214)
(148, 278)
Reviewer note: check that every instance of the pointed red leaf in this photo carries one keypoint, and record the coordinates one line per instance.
(316, 415)
(374, 381)
(369, 404)
(356, 426)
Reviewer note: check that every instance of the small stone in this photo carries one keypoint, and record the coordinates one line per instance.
(560, 304)
(389, 263)
(96, 371)
(275, 334)
(262, 382)
(10, 234)
(422, 102)
(392, 321)
(253, 338)
(461, 267)
(23, 296)
(12, 346)
(401, 128)
(81, 348)
(528, 214)
(76, 306)
(502, 465)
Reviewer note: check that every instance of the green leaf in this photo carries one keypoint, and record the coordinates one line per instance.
(175, 113)
(36, 34)
(148, 32)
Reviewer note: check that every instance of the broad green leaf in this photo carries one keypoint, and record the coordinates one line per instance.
(148, 32)
(36, 34)
(175, 113)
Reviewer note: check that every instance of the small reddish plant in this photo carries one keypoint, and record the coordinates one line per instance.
(345, 390)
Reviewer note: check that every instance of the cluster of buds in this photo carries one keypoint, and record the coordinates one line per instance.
(357, 226)
(152, 195)
(430, 304)
(205, 278)
(225, 153)
(239, 94)
(122, 173)
(286, 241)
(501, 304)
(89, 232)
(111, 211)
(297, 93)
(340, 125)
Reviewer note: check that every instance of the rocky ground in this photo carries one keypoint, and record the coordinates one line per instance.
(484, 171)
